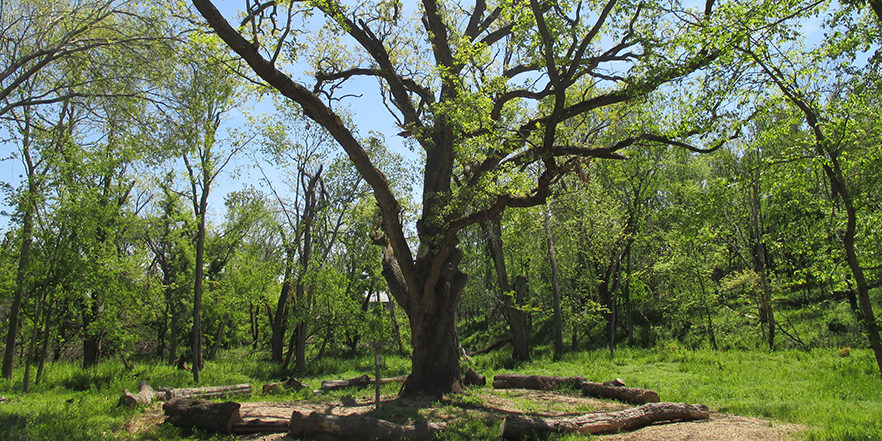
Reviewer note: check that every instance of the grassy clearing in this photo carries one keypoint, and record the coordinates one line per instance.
(839, 397)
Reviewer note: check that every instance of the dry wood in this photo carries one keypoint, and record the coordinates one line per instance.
(217, 417)
(626, 394)
(287, 383)
(362, 381)
(398, 379)
(538, 382)
(357, 427)
(144, 396)
(235, 390)
(517, 427)
(473, 378)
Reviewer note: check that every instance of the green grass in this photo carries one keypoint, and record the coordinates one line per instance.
(838, 398)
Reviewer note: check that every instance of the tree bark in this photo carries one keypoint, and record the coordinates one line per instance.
(234, 390)
(538, 382)
(358, 427)
(280, 319)
(626, 394)
(518, 427)
(27, 232)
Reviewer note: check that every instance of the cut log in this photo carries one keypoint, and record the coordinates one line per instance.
(538, 382)
(626, 394)
(517, 427)
(144, 396)
(217, 417)
(398, 379)
(287, 383)
(235, 390)
(473, 378)
(362, 381)
(357, 427)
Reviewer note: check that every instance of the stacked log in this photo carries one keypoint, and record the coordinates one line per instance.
(516, 427)
(235, 390)
(357, 427)
(626, 394)
(537, 382)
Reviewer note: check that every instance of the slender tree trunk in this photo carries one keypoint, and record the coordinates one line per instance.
(174, 329)
(396, 331)
(280, 319)
(516, 321)
(27, 232)
(218, 337)
(196, 332)
(555, 288)
(44, 346)
(32, 349)
(707, 312)
(91, 337)
(626, 297)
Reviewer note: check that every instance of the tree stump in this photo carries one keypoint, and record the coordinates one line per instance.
(537, 382)
(287, 383)
(626, 394)
(357, 427)
(517, 426)
(473, 378)
(217, 417)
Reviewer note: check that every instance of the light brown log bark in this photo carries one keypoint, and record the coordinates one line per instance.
(235, 390)
(362, 381)
(626, 394)
(517, 427)
(216, 417)
(357, 427)
(539, 382)
(144, 396)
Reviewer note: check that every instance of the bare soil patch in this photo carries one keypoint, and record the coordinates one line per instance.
(494, 405)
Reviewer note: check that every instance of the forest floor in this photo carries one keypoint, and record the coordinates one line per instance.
(491, 406)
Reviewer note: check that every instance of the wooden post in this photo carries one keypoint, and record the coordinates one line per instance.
(377, 380)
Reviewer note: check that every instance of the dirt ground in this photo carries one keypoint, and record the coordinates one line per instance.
(495, 404)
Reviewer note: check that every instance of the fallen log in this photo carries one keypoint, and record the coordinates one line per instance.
(362, 381)
(538, 382)
(517, 426)
(144, 396)
(357, 427)
(626, 394)
(216, 417)
(398, 379)
(235, 390)
(257, 425)
(492, 347)
(287, 383)
(473, 378)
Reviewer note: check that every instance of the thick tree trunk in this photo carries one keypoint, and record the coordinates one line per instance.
(518, 427)
(617, 392)
(557, 336)
(537, 382)
(435, 361)
(319, 425)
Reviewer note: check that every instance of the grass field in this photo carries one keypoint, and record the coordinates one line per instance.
(837, 397)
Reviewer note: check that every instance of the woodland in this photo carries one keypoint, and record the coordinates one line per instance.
(211, 194)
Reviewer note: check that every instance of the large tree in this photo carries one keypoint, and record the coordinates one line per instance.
(489, 92)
